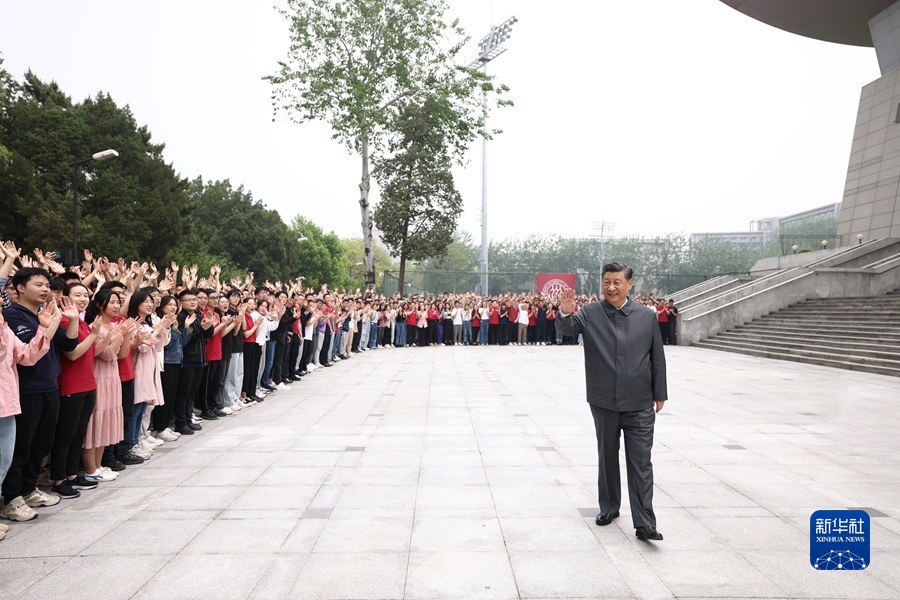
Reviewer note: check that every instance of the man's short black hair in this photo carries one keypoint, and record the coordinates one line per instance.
(617, 267)
(262, 288)
(186, 292)
(57, 284)
(23, 276)
(234, 292)
(69, 277)
(112, 284)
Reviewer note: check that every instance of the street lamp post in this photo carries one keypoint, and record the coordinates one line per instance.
(489, 48)
(98, 156)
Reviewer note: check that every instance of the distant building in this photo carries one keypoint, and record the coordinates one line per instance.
(738, 239)
(762, 231)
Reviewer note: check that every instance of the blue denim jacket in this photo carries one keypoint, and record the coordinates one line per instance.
(174, 350)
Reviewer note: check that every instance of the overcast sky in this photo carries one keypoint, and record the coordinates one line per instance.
(658, 116)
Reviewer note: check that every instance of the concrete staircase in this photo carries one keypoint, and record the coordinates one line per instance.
(861, 334)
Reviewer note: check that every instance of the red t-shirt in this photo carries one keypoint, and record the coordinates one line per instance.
(433, 315)
(494, 319)
(248, 325)
(476, 322)
(532, 318)
(513, 313)
(411, 319)
(661, 315)
(213, 345)
(126, 367)
(76, 377)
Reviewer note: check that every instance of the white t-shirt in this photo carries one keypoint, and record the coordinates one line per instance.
(456, 315)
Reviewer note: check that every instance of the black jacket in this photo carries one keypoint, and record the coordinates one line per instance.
(624, 361)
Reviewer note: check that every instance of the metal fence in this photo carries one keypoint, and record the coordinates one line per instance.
(792, 244)
(460, 282)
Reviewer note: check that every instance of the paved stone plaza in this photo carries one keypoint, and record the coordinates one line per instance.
(470, 473)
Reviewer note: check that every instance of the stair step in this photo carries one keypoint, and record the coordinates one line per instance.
(850, 335)
(860, 350)
(821, 361)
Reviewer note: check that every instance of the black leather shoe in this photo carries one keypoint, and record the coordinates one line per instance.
(114, 463)
(604, 519)
(186, 430)
(208, 415)
(195, 426)
(647, 533)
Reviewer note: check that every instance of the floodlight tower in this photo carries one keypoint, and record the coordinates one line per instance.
(489, 48)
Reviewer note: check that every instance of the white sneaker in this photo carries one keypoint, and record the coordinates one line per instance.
(170, 432)
(236, 406)
(142, 452)
(166, 435)
(101, 475)
(196, 420)
(227, 410)
(281, 386)
(146, 446)
(17, 510)
(107, 470)
(38, 498)
(153, 441)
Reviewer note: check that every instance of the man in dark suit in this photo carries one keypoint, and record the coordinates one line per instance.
(625, 368)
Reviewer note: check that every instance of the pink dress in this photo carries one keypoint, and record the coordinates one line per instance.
(106, 426)
(147, 383)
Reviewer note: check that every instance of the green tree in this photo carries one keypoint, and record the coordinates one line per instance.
(419, 206)
(320, 256)
(352, 273)
(353, 63)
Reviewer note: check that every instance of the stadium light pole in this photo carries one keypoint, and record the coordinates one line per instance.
(489, 48)
(98, 156)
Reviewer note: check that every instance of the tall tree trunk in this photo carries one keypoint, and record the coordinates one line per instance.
(403, 253)
(368, 241)
(401, 280)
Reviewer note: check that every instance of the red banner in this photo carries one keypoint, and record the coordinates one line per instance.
(553, 284)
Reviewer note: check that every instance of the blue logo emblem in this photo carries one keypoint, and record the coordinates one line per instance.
(839, 540)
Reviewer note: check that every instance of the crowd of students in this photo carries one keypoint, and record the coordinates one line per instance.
(102, 362)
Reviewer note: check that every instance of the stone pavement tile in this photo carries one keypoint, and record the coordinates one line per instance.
(506, 475)
(705, 494)
(456, 513)
(327, 497)
(531, 501)
(453, 496)
(449, 534)
(634, 569)
(197, 498)
(140, 537)
(705, 573)
(218, 476)
(279, 578)
(565, 574)
(514, 457)
(53, 537)
(243, 536)
(19, 573)
(385, 442)
(223, 577)
(757, 533)
(308, 459)
(405, 476)
(547, 534)
(340, 475)
(304, 536)
(378, 496)
(359, 575)
(82, 578)
(170, 477)
(287, 496)
(365, 534)
(181, 457)
(774, 496)
(243, 458)
(681, 529)
(459, 575)
(293, 475)
(462, 443)
(448, 457)
(165, 516)
(794, 574)
(740, 474)
(452, 476)
(388, 458)
(372, 513)
(116, 498)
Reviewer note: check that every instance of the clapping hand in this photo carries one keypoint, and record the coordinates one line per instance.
(69, 310)
(190, 319)
(567, 301)
(50, 314)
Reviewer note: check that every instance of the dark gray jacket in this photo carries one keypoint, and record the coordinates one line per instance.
(624, 361)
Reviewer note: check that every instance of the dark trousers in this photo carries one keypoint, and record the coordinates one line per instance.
(412, 334)
(199, 399)
(252, 354)
(673, 325)
(293, 355)
(432, 332)
(306, 354)
(278, 363)
(326, 346)
(541, 333)
(638, 428)
(188, 385)
(35, 427)
(494, 334)
(71, 426)
(215, 379)
(123, 447)
(161, 415)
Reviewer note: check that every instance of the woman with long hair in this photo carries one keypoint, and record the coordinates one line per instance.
(173, 354)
